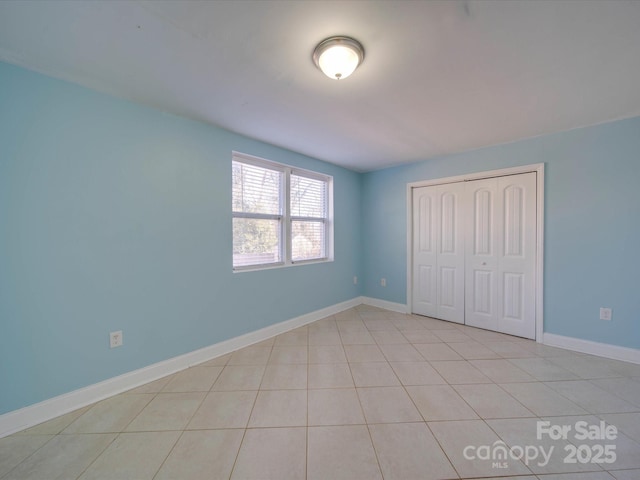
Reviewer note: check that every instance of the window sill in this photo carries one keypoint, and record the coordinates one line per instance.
(272, 266)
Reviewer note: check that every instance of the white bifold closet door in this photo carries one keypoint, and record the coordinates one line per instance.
(474, 253)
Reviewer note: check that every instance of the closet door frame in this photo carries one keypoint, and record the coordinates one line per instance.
(538, 168)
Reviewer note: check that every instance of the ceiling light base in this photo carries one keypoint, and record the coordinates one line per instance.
(338, 56)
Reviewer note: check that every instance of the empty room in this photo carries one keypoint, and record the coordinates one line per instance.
(319, 240)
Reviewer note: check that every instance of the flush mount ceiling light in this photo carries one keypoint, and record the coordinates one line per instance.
(338, 57)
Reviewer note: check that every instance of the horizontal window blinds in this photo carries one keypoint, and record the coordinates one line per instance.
(256, 189)
(308, 197)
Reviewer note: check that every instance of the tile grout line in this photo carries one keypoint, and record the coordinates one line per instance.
(373, 445)
(5, 475)
(116, 434)
(306, 436)
(244, 433)
(424, 421)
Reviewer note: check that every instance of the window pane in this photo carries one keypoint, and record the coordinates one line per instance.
(308, 197)
(255, 241)
(308, 240)
(256, 189)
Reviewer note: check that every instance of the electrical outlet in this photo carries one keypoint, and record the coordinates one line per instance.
(383, 282)
(605, 314)
(115, 339)
(355, 280)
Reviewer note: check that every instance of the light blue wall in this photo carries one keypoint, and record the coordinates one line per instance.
(116, 216)
(592, 225)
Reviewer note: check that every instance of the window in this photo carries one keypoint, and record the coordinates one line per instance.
(281, 214)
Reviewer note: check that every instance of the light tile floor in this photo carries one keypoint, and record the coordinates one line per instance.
(365, 394)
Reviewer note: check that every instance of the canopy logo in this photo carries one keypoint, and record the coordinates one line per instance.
(499, 453)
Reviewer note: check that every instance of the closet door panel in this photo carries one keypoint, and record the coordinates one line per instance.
(481, 256)
(450, 248)
(517, 253)
(424, 252)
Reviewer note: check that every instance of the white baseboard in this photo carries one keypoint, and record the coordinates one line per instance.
(26, 417)
(594, 348)
(394, 307)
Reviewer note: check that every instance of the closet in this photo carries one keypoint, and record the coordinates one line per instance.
(474, 253)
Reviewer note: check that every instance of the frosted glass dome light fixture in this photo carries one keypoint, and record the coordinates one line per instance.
(338, 57)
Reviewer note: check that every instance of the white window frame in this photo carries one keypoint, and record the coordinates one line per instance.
(285, 217)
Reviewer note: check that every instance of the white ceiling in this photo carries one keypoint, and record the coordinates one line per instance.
(438, 77)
